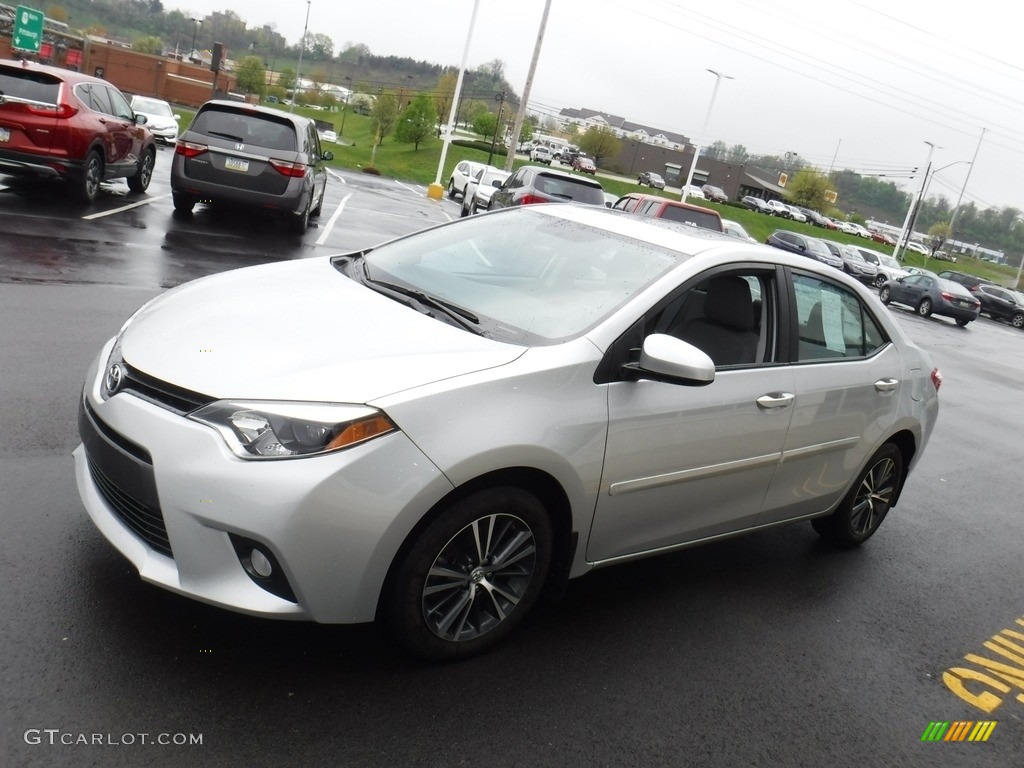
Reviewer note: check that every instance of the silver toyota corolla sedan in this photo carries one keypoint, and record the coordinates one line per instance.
(428, 432)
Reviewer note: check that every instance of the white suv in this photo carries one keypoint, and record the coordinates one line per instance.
(540, 155)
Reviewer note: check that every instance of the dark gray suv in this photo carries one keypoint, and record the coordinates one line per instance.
(254, 157)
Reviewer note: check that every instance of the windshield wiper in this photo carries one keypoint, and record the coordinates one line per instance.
(230, 136)
(460, 315)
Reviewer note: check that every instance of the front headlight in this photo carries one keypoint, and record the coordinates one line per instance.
(284, 430)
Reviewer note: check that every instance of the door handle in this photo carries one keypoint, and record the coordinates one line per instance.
(886, 385)
(775, 400)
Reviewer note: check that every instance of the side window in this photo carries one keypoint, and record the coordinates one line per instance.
(622, 204)
(120, 104)
(96, 98)
(832, 322)
(730, 317)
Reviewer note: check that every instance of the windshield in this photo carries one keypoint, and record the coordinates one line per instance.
(890, 262)
(530, 278)
(152, 107)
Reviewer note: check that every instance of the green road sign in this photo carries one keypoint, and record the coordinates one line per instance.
(28, 30)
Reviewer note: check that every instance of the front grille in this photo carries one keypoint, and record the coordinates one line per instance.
(147, 522)
(169, 396)
(123, 474)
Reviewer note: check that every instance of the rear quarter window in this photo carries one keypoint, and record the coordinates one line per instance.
(25, 85)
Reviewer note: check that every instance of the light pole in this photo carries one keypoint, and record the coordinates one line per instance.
(298, 67)
(434, 191)
(901, 243)
(195, 28)
(703, 133)
(348, 102)
(956, 210)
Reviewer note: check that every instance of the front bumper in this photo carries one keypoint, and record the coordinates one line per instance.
(333, 523)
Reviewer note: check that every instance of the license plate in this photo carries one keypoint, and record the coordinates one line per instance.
(234, 164)
(5, 135)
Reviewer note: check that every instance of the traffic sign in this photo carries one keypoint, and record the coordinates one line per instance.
(28, 30)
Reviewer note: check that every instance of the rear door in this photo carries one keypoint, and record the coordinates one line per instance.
(28, 110)
(240, 149)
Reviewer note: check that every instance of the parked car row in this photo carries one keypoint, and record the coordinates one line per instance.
(477, 194)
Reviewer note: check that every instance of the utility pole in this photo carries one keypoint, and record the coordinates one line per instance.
(497, 126)
(521, 114)
(904, 237)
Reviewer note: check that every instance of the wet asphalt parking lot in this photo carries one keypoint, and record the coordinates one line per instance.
(767, 650)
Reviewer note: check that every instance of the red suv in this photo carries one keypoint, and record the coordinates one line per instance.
(59, 124)
(673, 210)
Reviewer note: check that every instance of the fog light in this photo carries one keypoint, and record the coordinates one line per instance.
(261, 564)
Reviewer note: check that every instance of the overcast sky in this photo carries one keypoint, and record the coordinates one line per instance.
(873, 80)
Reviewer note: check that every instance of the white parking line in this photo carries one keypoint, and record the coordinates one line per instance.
(123, 208)
(336, 176)
(334, 217)
(417, 190)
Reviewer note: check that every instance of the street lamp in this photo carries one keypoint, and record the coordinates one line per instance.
(298, 67)
(703, 133)
(434, 191)
(956, 210)
(901, 243)
(195, 28)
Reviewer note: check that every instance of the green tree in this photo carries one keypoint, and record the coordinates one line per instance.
(251, 76)
(384, 115)
(809, 188)
(149, 44)
(526, 132)
(938, 234)
(286, 78)
(600, 143)
(717, 151)
(417, 122)
(485, 123)
(444, 92)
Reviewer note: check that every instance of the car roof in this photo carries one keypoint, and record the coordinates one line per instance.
(674, 203)
(255, 109)
(67, 75)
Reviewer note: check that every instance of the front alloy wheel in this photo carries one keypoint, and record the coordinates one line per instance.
(924, 309)
(472, 575)
(92, 174)
(867, 503)
(883, 295)
(139, 182)
(1017, 321)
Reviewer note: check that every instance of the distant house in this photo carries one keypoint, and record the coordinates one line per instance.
(584, 119)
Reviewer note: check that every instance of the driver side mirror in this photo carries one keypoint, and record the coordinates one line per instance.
(673, 361)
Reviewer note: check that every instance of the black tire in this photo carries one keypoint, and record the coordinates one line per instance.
(474, 209)
(864, 508)
(446, 599)
(319, 205)
(883, 295)
(1017, 321)
(451, 189)
(299, 223)
(139, 183)
(463, 211)
(183, 203)
(880, 280)
(924, 309)
(961, 323)
(88, 184)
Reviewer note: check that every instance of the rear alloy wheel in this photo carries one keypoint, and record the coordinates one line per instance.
(89, 182)
(451, 188)
(883, 295)
(924, 309)
(1017, 321)
(961, 322)
(139, 183)
(183, 203)
(866, 505)
(471, 575)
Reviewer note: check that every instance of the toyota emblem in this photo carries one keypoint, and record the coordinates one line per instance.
(114, 379)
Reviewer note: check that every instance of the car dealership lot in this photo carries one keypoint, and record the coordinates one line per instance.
(767, 649)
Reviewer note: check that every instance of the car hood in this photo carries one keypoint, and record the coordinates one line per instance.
(298, 330)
